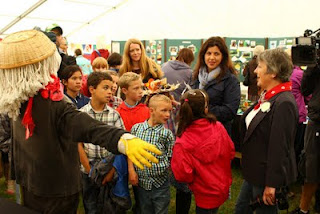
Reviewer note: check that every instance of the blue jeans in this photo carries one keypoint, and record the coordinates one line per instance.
(250, 193)
(154, 201)
(90, 195)
(200, 210)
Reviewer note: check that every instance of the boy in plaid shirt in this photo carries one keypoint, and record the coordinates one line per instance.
(153, 191)
(100, 86)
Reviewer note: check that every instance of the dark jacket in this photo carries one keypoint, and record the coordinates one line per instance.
(80, 100)
(224, 98)
(47, 164)
(268, 157)
(250, 67)
(310, 85)
(177, 72)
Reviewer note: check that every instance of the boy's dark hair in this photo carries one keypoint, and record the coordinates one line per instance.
(78, 52)
(95, 78)
(114, 60)
(193, 105)
(68, 71)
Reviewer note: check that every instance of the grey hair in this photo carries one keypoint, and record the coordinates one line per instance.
(278, 62)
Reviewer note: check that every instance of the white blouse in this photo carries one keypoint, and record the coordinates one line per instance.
(251, 115)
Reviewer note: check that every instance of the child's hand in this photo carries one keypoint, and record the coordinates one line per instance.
(173, 101)
(108, 176)
(133, 178)
(87, 169)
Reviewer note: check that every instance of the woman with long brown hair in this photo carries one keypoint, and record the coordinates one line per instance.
(215, 74)
(136, 60)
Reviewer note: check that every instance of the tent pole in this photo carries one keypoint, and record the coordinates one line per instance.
(24, 14)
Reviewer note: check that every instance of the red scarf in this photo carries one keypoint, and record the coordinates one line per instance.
(272, 92)
(51, 91)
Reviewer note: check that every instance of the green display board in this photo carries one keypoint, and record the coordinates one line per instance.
(281, 42)
(117, 47)
(155, 49)
(175, 45)
(240, 50)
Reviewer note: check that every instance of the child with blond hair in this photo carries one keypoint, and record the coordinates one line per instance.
(153, 190)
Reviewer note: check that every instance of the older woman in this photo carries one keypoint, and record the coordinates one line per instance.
(267, 135)
(215, 74)
(136, 60)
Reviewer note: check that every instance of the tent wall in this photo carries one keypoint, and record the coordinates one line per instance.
(204, 18)
(84, 20)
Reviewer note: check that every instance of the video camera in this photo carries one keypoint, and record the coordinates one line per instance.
(306, 49)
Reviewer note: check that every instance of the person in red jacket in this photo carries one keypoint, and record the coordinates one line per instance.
(99, 53)
(203, 161)
(132, 112)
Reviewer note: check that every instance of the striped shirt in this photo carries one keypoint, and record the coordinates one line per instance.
(108, 116)
(163, 139)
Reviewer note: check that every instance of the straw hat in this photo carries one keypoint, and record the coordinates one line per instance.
(25, 48)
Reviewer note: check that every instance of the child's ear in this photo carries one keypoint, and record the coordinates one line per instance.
(91, 89)
(151, 109)
(64, 82)
(124, 90)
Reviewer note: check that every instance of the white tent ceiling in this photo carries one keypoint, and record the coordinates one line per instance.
(84, 20)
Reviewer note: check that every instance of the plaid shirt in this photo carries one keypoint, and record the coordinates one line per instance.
(115, 102)
(108, 116)
(163, 139)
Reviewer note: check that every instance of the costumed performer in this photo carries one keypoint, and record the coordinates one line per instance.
(46, 127)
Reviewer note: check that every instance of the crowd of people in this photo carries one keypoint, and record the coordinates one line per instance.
(70, 126)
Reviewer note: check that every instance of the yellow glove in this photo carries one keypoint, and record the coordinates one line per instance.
(137, 150)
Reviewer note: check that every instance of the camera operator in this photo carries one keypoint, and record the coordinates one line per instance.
(267, 137)
(310, 85)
